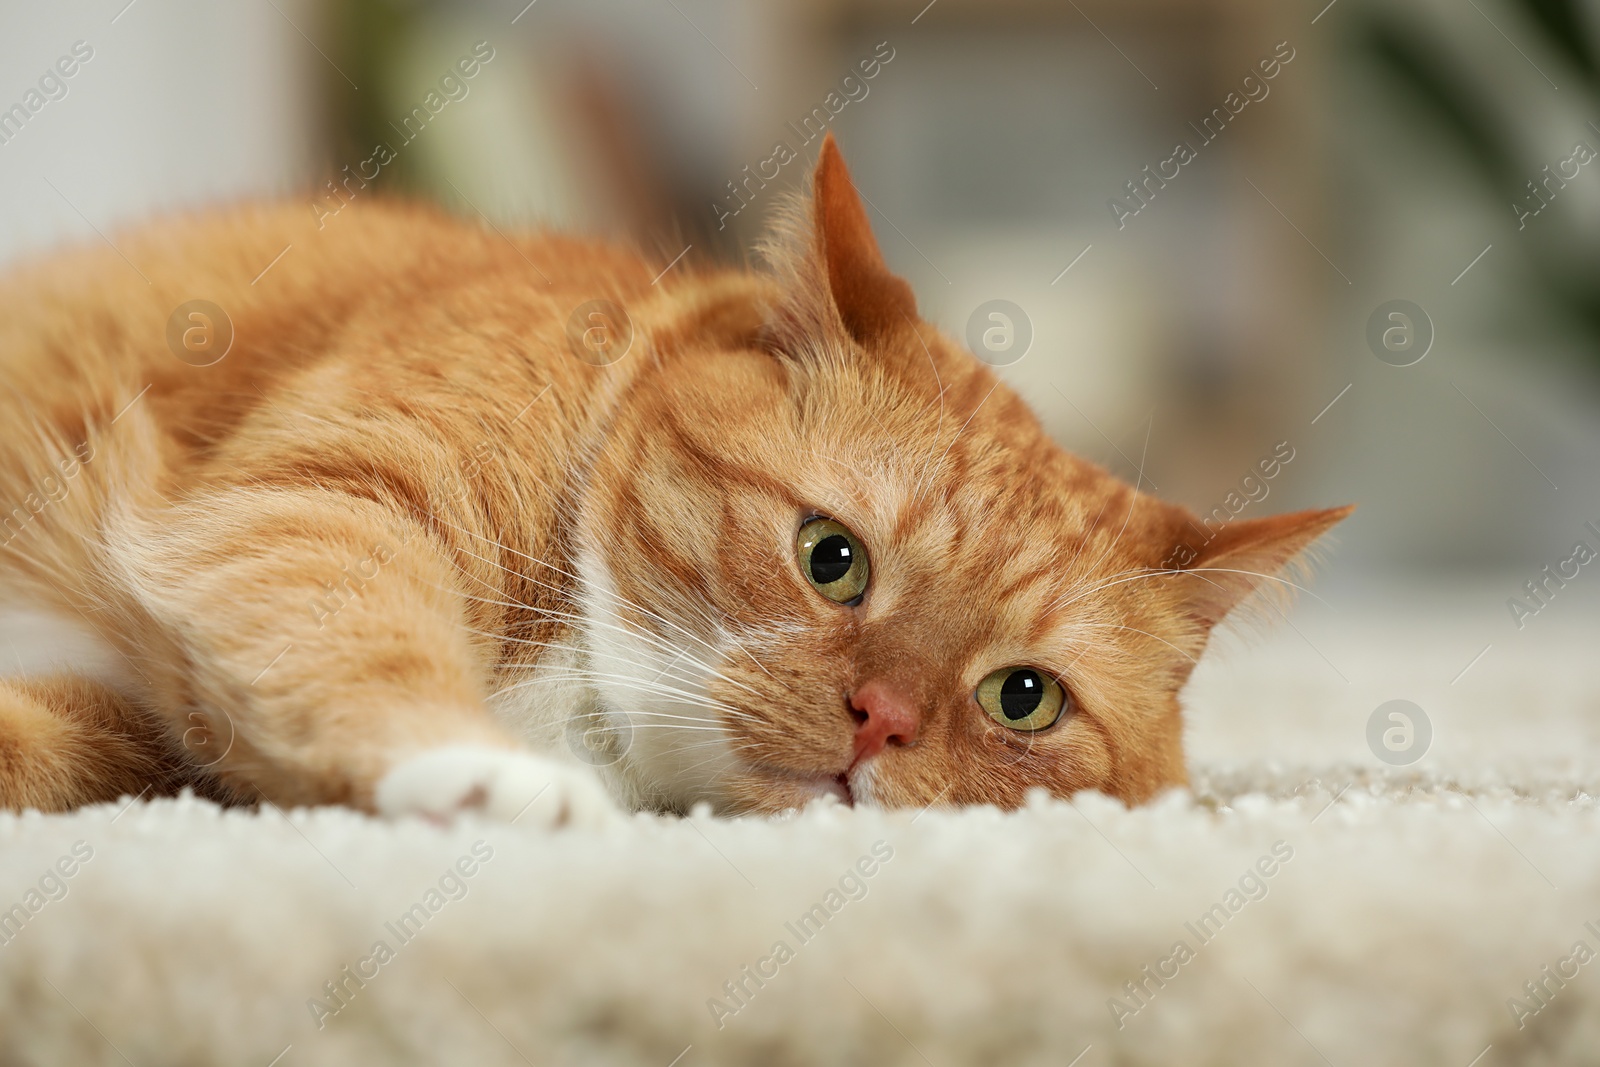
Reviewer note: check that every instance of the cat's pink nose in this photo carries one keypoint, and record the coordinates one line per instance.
(884, 715)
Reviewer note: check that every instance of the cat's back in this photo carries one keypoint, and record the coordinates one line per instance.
(281, 276)
(203, 316)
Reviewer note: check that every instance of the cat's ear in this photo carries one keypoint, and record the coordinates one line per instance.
(871, 300)
(834, 278)
(1250, 554)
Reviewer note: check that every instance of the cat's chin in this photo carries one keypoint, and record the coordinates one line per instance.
(799, 793)
(837, 787)
(773, 792)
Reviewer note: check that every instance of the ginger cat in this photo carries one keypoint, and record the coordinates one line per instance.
(402, 549)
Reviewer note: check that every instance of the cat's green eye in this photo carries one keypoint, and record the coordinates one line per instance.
(832, 560)
(1022, 698)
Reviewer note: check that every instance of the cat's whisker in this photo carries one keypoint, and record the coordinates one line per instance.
(683, 654)
(1156, 572)
(674, 726)
(664, 715)
(728, 634)
(889, 439)
(1082, 545)
(1133, 499)
(939, 430)
(702, 612)
(528, 641)
(643, 635)
(709, 721)
(579, 578)
(679, 696)
(1080, 590)
(959, 432)
(584, 580)
(734, 750)
(1135, 629)
(1114, 580)
(1258, 574)
(720, 748)
(715, 757)
(626, 682)
(729, 741)
(488, 600)
(644, 669)
(877, 483)
(679, 652)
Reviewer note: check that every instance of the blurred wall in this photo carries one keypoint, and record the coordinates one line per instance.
(182, 102)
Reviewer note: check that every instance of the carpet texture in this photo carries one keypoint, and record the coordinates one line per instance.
(1304, 903)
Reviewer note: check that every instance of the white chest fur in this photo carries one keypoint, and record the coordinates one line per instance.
(37, 641)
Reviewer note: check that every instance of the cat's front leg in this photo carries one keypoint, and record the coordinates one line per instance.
(329, 647)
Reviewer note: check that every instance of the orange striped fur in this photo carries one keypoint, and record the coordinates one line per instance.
(401, 516)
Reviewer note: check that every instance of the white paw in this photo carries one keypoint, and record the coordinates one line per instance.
(503, 784)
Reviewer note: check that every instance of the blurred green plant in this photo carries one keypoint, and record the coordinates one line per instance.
(1565, 261)
(371, 38)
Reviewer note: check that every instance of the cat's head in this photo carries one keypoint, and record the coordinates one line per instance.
(844, 558)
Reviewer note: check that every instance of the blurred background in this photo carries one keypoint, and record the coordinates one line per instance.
(1201, 206)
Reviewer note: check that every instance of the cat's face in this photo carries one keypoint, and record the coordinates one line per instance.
(848, 560)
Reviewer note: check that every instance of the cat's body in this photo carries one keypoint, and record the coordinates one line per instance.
(402, 546)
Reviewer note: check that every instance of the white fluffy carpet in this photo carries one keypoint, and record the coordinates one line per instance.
(1404, 907)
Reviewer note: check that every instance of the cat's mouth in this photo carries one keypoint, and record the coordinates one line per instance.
(841, 782)
(783, 788)
(836, 786)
